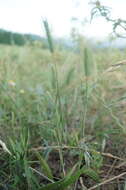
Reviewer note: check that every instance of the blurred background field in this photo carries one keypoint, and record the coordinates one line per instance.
(54, 115)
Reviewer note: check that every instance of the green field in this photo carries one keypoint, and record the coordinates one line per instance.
(62, 119)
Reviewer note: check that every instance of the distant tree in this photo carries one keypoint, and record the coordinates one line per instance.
(18, 39)
(5, 37)
(10, 38)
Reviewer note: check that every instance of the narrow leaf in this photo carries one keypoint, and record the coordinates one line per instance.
(69, 180)
(45, 167)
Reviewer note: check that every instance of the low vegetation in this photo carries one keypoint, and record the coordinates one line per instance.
(62, 119)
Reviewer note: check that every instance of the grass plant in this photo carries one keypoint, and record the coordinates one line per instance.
(60, 118)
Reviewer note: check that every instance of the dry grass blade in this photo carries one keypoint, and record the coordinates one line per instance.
(4, 147)
(82, 184)
(114, 67)
(75, 147)
(41, 175)
(120, 63)
(112, 156)
(107, 181)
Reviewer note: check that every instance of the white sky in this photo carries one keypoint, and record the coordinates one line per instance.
(25, 16)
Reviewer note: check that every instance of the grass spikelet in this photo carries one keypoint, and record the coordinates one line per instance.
(90, 68)
(48, 34)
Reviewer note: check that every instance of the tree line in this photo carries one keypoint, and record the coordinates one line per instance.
(11, 38)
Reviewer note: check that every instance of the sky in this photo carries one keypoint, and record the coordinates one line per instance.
(25, 16)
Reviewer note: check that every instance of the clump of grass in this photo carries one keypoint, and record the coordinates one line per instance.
(72, 110)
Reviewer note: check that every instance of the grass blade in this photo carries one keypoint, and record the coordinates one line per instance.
(45, 167)
(69, 180)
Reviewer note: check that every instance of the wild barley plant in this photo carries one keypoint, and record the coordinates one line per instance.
(90, 78)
